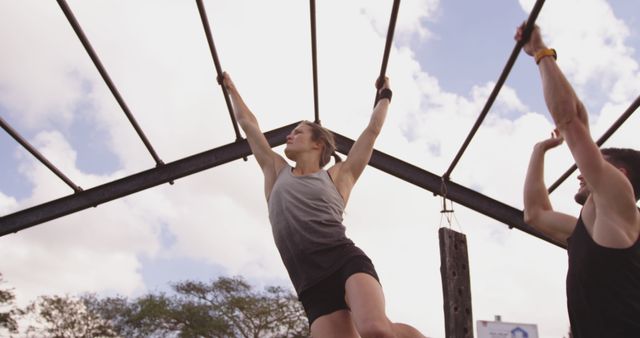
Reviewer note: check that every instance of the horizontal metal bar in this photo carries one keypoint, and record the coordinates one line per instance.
(496, 89)
(632, 108)
(387, 48)
(107, 79)
(218, 67)
(135, 183)
(314, 60)
(471, 199)
(16, 136)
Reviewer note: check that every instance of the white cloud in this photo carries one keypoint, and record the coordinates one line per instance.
(39, 67)
(7, 203)
(95, 250)
(410, 20)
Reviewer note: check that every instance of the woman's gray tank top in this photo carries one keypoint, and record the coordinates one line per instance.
(306, 220)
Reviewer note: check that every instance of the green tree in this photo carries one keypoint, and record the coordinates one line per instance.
(225, 308)
(8, 311)
(274, 312)
(68, 317)
(163, 316)
(116, 312)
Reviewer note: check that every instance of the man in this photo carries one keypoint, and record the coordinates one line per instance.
(603, 281)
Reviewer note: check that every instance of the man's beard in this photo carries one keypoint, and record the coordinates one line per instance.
(581, 196)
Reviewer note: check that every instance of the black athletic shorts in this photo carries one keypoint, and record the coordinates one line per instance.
(328, 295)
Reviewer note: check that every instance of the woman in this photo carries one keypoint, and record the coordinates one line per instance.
(335, 281)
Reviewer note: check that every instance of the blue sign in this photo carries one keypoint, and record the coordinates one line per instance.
(519, 332)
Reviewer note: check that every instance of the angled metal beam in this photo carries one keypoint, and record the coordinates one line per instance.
(134, 183)
(471, 199)
(16, 136)
(632, 108)
(387, 47)
(107, 79)
(496, 89)
(233, 151)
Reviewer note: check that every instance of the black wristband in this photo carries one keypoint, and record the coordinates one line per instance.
(384, 93)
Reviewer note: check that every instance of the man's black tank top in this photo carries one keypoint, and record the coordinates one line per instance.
(603, 288)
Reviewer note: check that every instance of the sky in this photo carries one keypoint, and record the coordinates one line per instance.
(444, 62)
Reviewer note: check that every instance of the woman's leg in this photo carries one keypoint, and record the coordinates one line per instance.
(326, 309)
(337, 324)
(365, 298)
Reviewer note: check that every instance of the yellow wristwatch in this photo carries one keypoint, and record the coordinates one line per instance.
(544, 53)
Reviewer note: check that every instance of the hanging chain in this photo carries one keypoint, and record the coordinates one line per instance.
(447, 211)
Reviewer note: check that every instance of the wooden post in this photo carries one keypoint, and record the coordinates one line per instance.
(456, 284)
